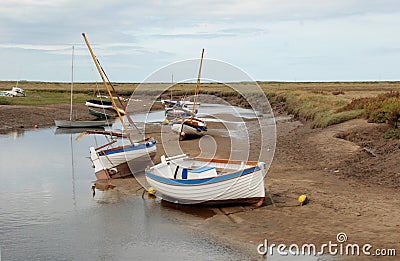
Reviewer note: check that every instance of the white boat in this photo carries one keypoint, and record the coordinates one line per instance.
(78, 123)
(190, 128)
(81, 124)
(105, 105)
(99, 104)
(185, 180)
(116, 162)
(15, 92)
(176, 112)
(110, 161)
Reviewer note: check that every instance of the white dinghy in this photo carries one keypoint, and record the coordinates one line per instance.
(185, 180)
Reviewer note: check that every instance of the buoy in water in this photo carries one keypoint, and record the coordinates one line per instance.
(36, 126)
(303, 200)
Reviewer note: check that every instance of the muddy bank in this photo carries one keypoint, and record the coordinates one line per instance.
(18, 117)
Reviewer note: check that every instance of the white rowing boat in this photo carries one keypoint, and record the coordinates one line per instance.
(185, 180)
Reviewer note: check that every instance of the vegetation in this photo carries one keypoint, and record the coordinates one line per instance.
(392, 134)
(380, 109)
(35, 98)
(323, 104)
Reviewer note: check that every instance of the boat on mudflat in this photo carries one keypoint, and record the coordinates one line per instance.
(111, 161)
(117, 161)
(103, 113)
(185, 180)
(190, 128)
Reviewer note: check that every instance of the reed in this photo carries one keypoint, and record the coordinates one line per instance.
(323, 104)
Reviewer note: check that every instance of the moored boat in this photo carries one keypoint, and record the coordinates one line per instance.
(176, 113)
(192, 127)
(185, 180)
(74, 123)
(81, 124)
(116, 162)
(103, 113)
(111, 161)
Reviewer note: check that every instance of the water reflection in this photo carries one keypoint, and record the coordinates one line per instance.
(47, 211)
(105, 193)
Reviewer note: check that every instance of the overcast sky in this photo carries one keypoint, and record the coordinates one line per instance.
(282, 40)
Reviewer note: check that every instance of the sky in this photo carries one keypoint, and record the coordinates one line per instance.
(270, 40)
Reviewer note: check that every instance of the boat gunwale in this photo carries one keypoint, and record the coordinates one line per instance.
(126, 148)
(206, 181)
(238, 162)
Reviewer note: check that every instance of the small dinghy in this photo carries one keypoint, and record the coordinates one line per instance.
(185, 180)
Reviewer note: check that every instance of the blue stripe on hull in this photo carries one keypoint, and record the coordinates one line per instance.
(191, 182)
(138, 147)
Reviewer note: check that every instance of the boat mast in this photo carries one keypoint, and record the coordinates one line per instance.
(196, 92)
(105, 82)
(72, 82)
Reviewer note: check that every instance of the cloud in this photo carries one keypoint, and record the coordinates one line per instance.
(152, 33)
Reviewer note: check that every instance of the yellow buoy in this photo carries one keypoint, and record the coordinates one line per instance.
(151, 191)
(302, 200)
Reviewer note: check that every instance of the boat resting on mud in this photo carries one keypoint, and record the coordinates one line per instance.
(115, 162)
(185, 180)
(190, 128)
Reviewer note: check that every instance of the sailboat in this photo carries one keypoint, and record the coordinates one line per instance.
(192, 127)
(78, 123)
(110, 161)
(105, 109)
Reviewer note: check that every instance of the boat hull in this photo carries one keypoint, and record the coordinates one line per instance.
(124, 170)
(103, 113)
(81, 124)
(119, 163)
(190, 129)
(99, 104)
(240, 186)
(103, 105)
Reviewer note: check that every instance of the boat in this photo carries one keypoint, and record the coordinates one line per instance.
(15, 92)
(185, 180)
(81, 123)
(192, 127)
(102, 109)
(103, 114)
(181, 103)
(61, 131)
(111, 161)
(177, 113)
(78, 123)
(99, 104)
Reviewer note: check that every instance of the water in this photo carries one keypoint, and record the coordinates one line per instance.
(206, 112)
(47, 211)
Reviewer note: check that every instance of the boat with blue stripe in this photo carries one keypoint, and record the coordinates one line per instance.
(185, 180)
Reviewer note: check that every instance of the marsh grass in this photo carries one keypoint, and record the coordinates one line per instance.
(323, 104)
(392, 134)
(37, 98)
